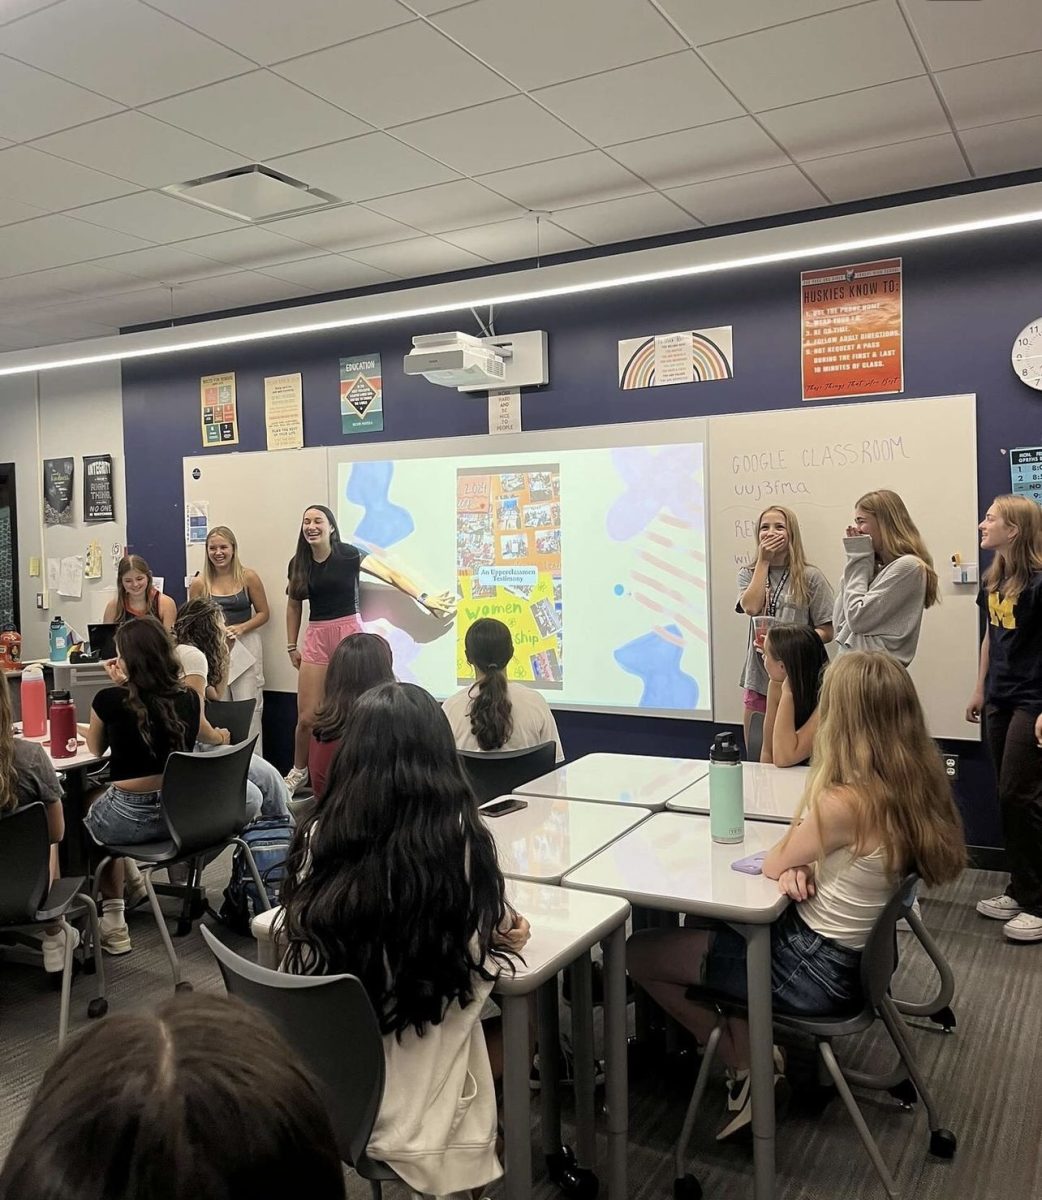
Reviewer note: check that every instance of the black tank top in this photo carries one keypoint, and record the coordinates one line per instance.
(237, 609)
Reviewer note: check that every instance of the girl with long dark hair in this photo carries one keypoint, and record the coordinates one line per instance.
(795, 659)
(394, 879)
(137, 595)
(142, 720)
(360, 662)
(324, 571)
(495, 713)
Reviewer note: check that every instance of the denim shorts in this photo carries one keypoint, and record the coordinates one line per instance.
(810, 974)
(119, 818)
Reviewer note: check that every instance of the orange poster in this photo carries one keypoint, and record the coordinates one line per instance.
(852, 330)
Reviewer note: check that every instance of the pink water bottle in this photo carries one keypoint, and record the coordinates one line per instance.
(34, 703)
(63, 726)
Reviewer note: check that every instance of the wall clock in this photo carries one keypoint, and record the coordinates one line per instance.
(1027, 355)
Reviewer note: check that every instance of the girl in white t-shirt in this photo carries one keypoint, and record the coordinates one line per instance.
(495, 713)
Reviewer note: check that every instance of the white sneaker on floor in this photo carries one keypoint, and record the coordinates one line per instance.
(739, 1097)
(999, 908)
(296, 778)
(1024, 928)
(53, 946)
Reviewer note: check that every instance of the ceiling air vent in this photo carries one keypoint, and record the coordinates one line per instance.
(252, 193)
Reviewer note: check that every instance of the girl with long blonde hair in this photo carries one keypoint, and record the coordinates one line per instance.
(1009, 694)
(778, 583)
(888, 581)
(239, 591)
(878, 805)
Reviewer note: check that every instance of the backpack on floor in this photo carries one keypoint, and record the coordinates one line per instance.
(269, 840)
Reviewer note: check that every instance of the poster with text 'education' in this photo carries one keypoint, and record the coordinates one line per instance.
(220, 424)
(361, 394)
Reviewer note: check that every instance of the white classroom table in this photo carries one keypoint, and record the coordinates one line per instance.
(548, 838)
(639, 779)
(670, 862)
(770, 793)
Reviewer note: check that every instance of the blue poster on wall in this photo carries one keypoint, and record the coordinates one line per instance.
(1025, 470)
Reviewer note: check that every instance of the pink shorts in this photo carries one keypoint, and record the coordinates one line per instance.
(753, 701)
(321, 638)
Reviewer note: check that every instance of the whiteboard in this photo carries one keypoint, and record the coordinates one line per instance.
(818, 460)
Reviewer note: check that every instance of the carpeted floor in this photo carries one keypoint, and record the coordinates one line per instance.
(985, 1078)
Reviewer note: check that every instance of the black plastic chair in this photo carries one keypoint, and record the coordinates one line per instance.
(233, 715)
(330, 1023)
(28, 899)
(754, 742)
(203, 799)
(878, 963)
(494, 773)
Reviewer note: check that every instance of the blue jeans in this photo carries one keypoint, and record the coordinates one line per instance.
(119, 818)
(266, 794)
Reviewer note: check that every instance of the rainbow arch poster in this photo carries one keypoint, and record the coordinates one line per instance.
(692, 356)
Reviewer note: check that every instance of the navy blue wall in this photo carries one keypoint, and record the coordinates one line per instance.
(965, 300)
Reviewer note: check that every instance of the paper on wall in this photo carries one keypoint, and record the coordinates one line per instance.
(283, 412)
(53, 572)
(197, 521)
(70, 577)
(504, 410)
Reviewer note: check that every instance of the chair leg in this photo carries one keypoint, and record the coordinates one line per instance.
(375, 1190)
(680, 1154)
(262, 893)
(895, 1027)
(867, 1140)
(99, 1005)
(63, 1011)
(164, 933)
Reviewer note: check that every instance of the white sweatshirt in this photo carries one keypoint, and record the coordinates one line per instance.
(879, 609)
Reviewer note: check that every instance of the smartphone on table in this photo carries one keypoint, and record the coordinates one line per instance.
(500, 808)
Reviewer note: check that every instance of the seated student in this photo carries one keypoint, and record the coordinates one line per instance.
(137, 595)
(495, 713)
(199, 1100)
(27, 776)
(201, 647)
(794, 659)
(361, 661)
(877, 806)
(142, 720)
(395, 879)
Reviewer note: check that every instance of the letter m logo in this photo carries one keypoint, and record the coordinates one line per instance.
(1001, 611)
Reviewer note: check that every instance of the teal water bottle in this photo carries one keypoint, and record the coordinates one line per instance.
(59, 640)
(726, 802)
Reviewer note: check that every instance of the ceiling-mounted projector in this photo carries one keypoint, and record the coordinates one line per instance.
(475, 364)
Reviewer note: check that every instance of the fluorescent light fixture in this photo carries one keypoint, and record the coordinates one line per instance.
(498, 299)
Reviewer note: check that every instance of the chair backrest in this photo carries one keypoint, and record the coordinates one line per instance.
(330, 1023)
(25, 858)
(879, 957)
(495, 773)
(204, 795)
(233, 715)
(754, 742)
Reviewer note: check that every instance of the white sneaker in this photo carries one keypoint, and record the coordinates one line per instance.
(999, 908)
(53, 946)
(1024, 928)
(739, 1097)
(115, 936)
(296, 778)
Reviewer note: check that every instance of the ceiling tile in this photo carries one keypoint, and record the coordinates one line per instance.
(119, 48)
(989, 92)
(240, 290)
(889, 169)
(163, 264)
(250, 246)
(32, 177)
(121, 309)
(13, 9)
(258, 115)
(625, 219)
(155, 217)
(67, 327)
(565, 182)
(446, 206)
(544, 41)
(743, 197)
(1011, 146)
(667, 93)
(272, 30)
(329, 273)
(56, 240)
(18, 338)
(33, 103)
(508, 241)
(878, 116)
(703, 22)
(59, 283)
(954, 35)
(343, 228)
(427, 7)
(492, 137)
(376, 77)
(837, 52)
(12, 210)
(141, 148)
(373, 165)
(709, 152)
(418, 257)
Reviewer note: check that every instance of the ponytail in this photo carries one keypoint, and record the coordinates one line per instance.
(491, 717)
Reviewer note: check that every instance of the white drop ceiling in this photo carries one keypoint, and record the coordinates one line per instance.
(457, 135)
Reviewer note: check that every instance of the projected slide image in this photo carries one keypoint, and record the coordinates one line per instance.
(508, 557)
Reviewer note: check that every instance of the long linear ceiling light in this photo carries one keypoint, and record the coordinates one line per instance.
(541, 293)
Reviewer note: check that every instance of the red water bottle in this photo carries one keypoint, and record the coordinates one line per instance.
(34, 703)
(63, 726)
